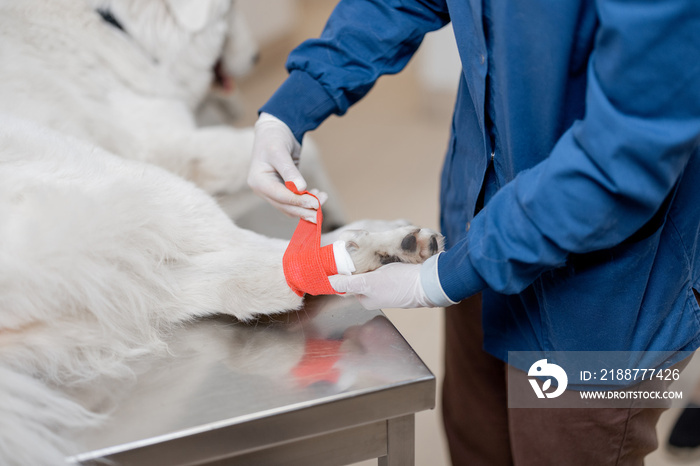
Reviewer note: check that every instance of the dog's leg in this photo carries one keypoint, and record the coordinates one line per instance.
(243, 277)
(215, 158)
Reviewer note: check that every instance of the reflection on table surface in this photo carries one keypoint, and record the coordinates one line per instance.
(220, 371)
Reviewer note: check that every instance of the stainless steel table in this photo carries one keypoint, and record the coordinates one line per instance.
(332, 384)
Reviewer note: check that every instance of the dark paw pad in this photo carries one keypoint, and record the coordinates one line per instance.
(410, 243)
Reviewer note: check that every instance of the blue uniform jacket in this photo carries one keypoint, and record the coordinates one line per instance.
(578, 122)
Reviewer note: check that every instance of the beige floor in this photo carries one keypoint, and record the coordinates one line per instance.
(385, 157)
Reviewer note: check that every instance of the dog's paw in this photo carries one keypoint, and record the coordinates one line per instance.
(408, 244)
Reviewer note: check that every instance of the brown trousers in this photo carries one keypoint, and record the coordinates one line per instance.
(482, 431)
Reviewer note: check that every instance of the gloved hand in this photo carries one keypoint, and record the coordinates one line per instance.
(276, 155)
(392, 285)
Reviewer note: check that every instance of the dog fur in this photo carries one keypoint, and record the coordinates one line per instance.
(104, 249)
(135, 91)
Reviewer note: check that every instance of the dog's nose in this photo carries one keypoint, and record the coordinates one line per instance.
(256, 58)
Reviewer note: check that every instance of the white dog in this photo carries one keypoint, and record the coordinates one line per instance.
(129, 75)
(101, 255)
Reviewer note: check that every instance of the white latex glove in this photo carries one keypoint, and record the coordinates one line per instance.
(392, 285)
(275, 159)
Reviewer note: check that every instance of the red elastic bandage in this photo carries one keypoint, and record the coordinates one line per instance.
(306, 264)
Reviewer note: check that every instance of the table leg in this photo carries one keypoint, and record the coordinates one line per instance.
(400, 450)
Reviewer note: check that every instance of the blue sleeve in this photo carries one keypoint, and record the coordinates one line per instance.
(362, 40)
(610, 172)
